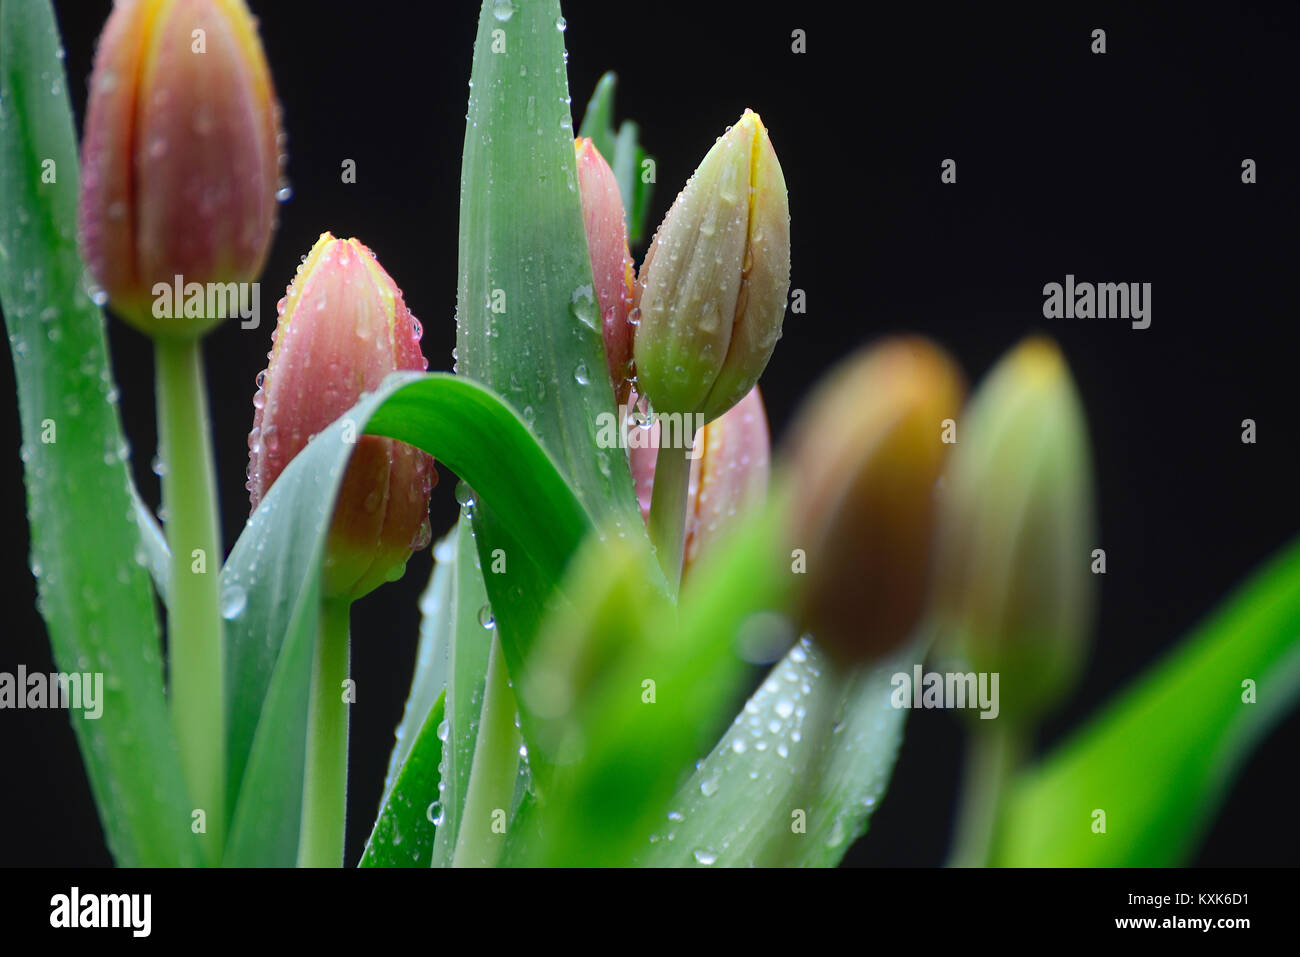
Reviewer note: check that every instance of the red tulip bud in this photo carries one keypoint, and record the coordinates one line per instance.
(728, 474)
(343, 327)
(611, 266)
(181, 156)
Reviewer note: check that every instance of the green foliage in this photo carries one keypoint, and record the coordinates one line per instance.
(96, 601)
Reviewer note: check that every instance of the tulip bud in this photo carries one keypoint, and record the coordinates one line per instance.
(1013, 591)
(712, 289)
(611, 265)
(343, 328)
(181, 157)
(729, 472)
(867, 453)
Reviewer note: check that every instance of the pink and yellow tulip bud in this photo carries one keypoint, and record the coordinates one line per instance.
(181, 159)
(343, 328)
(611, 265)
(867, 454)
(729, 473)
(712, 289)
(1015, 589)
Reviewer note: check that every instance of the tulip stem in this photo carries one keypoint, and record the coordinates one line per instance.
(992, 756)
(668, 509)
(196, 661)
(325, 775)
(491, 789)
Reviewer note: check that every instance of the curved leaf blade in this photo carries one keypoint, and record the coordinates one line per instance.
(274, 570)
(1159, 760)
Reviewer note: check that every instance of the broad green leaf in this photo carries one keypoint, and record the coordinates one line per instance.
(270, 583)
(93, 593)
(527, 321)
(1160, 759)
(796, 777)
(618, 744)
(467, 662)
(623, 153)
(404, 831)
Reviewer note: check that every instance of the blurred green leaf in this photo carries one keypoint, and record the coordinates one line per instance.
(93, 593)
(630, 692)
(598, 117)
(798, 774)
(1160, 759)
(404, 831)
(622, 151)
(273, 575)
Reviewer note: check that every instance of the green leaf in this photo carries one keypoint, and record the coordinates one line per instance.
(93, 593)
(623, 153)
(616, 755)
(523, 253)
(629, 166)
(404, 831)
(467, 662)
(812, 749)
(1160, 759)
(598, 118)
(153, 544)
(430, 678)
(274, 574)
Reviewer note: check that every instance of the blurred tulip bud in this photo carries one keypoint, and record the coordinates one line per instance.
(729, 472)
(712, 289)
(181, 158)
(611, 265)
(867, 453)
(1013, 590)
(343, 327)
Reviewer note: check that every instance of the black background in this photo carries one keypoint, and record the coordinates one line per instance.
(1121, 167)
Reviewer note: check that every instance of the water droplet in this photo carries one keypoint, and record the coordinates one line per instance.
(738, 745)
(706, 856)
(284, 194)
(503, 10)
(784, 707)
(560, 24)
(233, 601)
(485, 617)
(443, 730)
(709, 786)
(159, 466)
(580, 374)
(464, 495)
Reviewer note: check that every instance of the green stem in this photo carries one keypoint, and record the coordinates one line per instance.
(325, 776)
(992, 757)
(668, 509)
(491, 788)
(196, 662)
